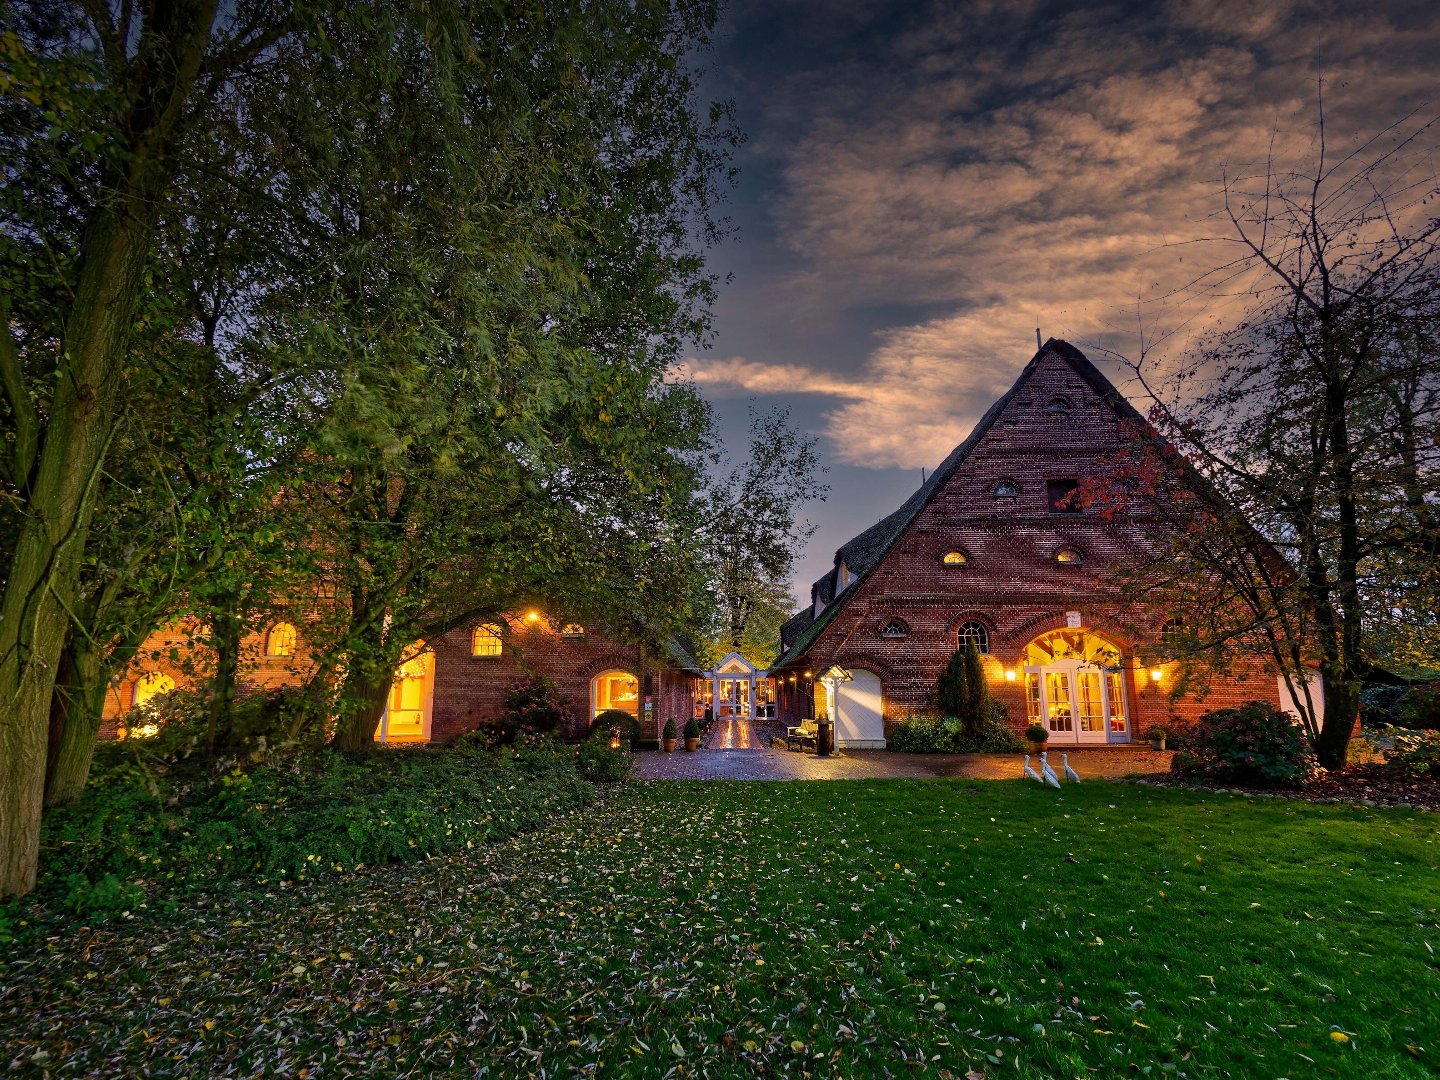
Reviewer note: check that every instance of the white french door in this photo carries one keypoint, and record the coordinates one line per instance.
(1077, 702)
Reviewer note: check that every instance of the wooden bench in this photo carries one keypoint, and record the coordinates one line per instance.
(801, 736)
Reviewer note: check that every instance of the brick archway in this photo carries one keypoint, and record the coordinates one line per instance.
(1034, 627)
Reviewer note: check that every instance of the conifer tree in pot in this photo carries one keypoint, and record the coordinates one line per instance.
(692, 736)
(669, 736)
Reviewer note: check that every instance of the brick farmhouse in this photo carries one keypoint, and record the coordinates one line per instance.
(992, 549)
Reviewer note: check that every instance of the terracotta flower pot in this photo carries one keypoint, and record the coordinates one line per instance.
(670, 746)
(691, 745)
(1035, 746)
(1158, 744)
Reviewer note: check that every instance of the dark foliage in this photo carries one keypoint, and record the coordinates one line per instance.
(601, 763)
(613, 721)
(532, 707)
(950, 735)
(1255, 744)
(153, 826)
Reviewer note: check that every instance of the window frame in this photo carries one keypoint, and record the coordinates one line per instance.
(286, 630)
(1059, 559)
(1013, 493)
(981, 639)
(496, 634)
(963, 560)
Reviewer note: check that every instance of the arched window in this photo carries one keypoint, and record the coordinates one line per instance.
(1068, 556)
(615, 690)
(894, 628)
(974, 633)
(955, 558)
(281, 640)
(485, 641)
(572, 630)
(151, 685)
(1007, 489)
(1058, 404)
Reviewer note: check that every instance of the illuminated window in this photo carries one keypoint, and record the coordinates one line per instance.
(615, 690)
(974, 633)
(572, 630)
(1068, 556)
(281, 640)
(894, 628)
(151, 685)
(1058, 404)
(955, 558)
(1007, 489)
(1063, 496)
(486, 640)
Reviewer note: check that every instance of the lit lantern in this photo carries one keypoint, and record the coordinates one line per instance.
(532, 616)
(1155, 674)
(615, 739)
(1009, 674)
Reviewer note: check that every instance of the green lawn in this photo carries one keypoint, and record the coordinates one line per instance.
(824, 928)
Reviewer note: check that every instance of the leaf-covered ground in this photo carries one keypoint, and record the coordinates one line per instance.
(848, 928)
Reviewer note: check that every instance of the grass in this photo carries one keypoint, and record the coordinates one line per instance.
(727, 929)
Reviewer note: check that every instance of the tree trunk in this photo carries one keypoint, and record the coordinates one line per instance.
(362, 702)
(59, 499)
(226, 642)
(80, 699)
(1342, 705)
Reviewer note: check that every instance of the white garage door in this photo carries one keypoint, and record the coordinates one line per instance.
(859, 711)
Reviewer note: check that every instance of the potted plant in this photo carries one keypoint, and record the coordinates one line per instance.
(692, 736)
(1156, 735)
(1036, 736)
(669, 736)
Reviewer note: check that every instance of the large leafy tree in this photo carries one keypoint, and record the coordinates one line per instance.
(1300, 469)
(501, 222)
(96, 101)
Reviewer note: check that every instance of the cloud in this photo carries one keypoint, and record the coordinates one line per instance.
(998, 168)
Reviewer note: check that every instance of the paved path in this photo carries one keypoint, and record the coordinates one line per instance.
(732, 735)
(767, 764)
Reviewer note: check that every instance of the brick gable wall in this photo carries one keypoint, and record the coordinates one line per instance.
(1011, 583)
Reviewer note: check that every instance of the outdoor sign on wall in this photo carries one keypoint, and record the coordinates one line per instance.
(1073, 620)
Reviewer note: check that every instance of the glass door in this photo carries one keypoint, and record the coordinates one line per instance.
(1091, 701)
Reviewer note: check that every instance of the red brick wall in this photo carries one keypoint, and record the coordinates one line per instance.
(467, 688)
(1011, 583)
(470, 688)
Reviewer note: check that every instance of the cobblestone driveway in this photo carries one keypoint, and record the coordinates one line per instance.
(766, 764)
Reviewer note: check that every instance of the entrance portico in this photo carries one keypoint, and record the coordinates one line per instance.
(1075, 687)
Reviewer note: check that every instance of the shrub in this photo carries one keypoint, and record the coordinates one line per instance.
(532, 707)
(1415, 754)
(614, 720)
(670, 730)
(692, 729)
(950, 735)
(1401, 706)
(1037, 733)
(919, 735)
(1254, 744)
(599, 762)
(149, 828)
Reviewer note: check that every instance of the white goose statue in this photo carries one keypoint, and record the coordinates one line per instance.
(1070, 774)
(1048, 773)
(1031, 772)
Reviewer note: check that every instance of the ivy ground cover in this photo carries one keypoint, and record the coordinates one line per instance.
(848, 928)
